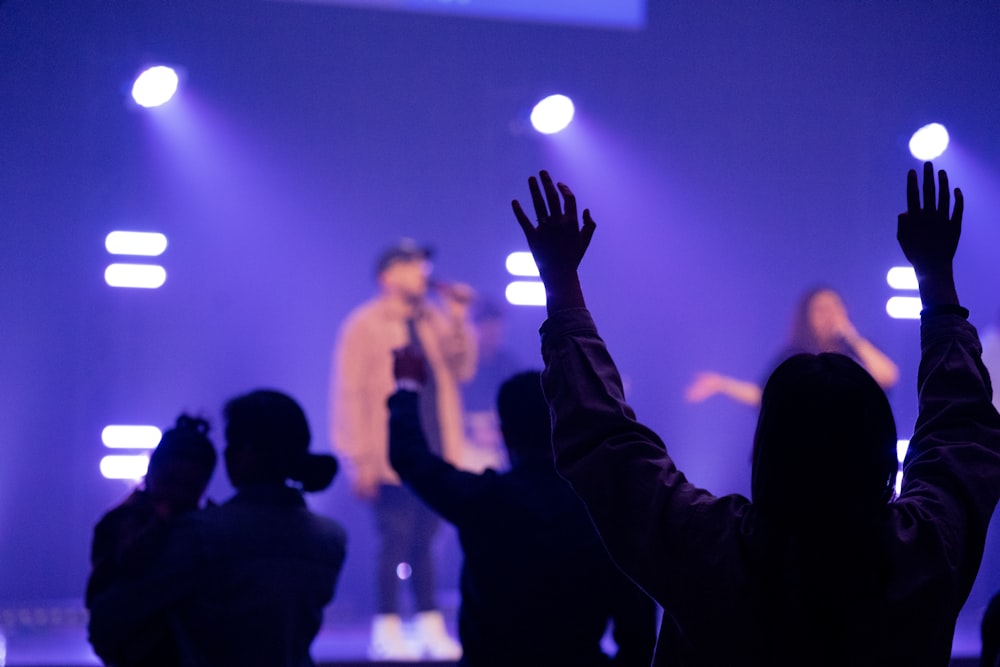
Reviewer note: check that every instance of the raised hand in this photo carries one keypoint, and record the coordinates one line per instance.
(558, 242)
(928, 235)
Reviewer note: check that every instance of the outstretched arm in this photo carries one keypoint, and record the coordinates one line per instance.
(558, 242)
(709, 383)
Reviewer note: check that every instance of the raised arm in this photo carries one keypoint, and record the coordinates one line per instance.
(707, 384)
(452, 493)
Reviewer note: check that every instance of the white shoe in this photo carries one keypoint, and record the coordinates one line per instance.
(435, 641)
(389, 642)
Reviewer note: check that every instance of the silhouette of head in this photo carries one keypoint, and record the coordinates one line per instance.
(524, 417)
(267, 442)
(825, 441)
(181, 466)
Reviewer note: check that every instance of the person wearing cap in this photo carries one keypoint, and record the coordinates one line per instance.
(401, 313)
(244, 582)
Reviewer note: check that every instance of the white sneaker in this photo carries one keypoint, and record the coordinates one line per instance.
(435, 641)
(389, 642)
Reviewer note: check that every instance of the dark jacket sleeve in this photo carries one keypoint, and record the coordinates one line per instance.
(951, 474)
(649, 516)
(456, 495)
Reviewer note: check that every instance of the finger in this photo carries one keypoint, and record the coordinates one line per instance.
(944, 195)
(901, 222)
(522, 219)
(928, 186)
(570, 200)
(555, 207)
(912, 193)
(541, 213)
(587, 232)
(956, 217)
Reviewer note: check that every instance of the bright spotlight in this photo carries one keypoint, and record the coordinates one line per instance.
(155, 86)
(929, 142)
(552, 114)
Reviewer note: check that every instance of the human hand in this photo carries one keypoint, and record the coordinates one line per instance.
(408, 364)
(457, 298)
(927, 235)
(364, 483)
(558, 242)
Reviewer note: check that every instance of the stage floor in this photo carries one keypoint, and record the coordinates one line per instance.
(55, 636)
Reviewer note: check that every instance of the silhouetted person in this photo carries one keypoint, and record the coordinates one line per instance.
(245, 582)
(129, 537)
(820, 324)
(990, 634)
(403, 312)
(538, 587)
(821, 567)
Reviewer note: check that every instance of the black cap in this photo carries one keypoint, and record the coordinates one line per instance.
(403, 251)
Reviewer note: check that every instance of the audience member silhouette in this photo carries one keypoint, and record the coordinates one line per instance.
(244, 582)
(131, 535)
(537, 585)
(990, 634)
(821, 567)
(820, 324)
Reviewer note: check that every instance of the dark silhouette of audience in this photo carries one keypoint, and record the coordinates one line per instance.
(989, 655)
(130, 536)
(537, 586)
(822, 566)
(244, 582)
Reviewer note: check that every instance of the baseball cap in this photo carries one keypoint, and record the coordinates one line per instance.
(404, 250)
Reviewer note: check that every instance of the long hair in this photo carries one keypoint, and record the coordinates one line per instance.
(824, 467)
(802, 336)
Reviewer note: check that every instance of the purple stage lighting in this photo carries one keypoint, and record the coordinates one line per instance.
(929, 142)
(155, 86)
(553, 114)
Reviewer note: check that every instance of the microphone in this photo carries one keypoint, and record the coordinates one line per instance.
(458, 292)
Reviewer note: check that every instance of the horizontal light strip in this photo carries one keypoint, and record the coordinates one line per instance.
(904, 307)
(521, 264)
(118, 466)
(147, 276)
(147, 244)
(525, 293)
(125, 436)
(902, 277)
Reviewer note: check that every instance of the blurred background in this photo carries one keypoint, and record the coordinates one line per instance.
(733, 154)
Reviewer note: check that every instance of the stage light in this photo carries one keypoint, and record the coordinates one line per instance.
(146, 244)
(120, 466)
(404, 571)
(525, 293)
(521, 264)
(155, 86)
(904, 307)
(552, 114)
(929, 142)
(902, 277)
(902, 446)
(124, 436)
(145, 276)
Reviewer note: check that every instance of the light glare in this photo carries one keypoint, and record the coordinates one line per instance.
(121, 466)
(902, 277)
(155, 86)
(525, 293)
(521, 264)
(904, 307)
(901, 448)
(929, 142)
(126, 436)
(146, 244)
(146, 276)
(552, 114)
